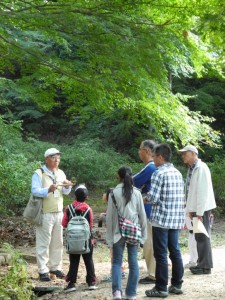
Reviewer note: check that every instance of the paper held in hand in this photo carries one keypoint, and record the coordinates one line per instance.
(198, 227)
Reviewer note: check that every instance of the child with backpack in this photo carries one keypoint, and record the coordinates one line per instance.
(73, 212)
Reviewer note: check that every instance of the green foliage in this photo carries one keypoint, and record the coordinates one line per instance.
(15, 284)
(114, 58)
(18, 160)
(92, 162)
(87, 160)
(218, 178)
(15, 173)
(206, 96)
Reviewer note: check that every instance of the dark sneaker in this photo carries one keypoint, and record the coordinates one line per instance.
(146, 280)
(156, 293)
(175, 290)
(44, 277)
(200, 271)
(59, 274)
(70, 288)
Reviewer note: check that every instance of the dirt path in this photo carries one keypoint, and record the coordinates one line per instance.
(195, 286)
(201, 287)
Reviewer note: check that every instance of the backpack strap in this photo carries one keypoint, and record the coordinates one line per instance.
(86, 211)
(72, 210)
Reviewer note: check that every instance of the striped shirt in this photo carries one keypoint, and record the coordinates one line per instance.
(167, 196)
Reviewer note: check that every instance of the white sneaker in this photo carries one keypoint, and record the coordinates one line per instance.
(117, 295)
(190, 264)
(92, 287)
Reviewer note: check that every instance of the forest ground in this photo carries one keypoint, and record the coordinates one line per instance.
(195, 286)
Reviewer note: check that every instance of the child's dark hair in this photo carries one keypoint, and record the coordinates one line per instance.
(81, 193)
(107, 192)
(125, 174)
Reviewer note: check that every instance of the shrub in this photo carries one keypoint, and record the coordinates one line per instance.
(15, 283)
(15, 173)
(92, 162)
(218, 178)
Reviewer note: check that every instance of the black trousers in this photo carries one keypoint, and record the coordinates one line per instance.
(204, 245)
(74, 265)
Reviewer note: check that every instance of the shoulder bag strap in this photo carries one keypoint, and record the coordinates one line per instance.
(114, 201)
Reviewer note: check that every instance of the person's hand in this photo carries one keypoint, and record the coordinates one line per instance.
(102, 215)
(200, 218)
(68, 183)
(146, 201)
(52, 188)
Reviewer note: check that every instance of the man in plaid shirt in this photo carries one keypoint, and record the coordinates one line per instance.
(167, 217)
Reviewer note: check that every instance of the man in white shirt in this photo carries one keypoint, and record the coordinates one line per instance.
(50, 183)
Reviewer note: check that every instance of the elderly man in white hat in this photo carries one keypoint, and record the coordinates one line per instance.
(50, 183)
(200, 201)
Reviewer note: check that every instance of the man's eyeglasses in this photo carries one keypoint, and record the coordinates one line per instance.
(55, 157)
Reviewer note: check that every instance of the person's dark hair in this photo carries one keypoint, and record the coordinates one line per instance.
(164, 150)
(125, 174)
(81, 193)
(108, 191)
(149, 144)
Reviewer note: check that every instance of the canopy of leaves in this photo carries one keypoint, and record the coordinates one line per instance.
(110, 59)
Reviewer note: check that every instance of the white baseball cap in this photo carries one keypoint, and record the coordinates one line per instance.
(80, 186)
(51, 151)
(189, 148)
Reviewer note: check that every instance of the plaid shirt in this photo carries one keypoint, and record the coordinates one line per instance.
(167, 196)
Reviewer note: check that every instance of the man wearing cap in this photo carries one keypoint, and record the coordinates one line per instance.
(50, 183)
(200, 201)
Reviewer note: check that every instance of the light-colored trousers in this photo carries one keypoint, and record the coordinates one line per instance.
(49, 243)
(148, 252)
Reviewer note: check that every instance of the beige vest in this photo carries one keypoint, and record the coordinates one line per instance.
(51, 203)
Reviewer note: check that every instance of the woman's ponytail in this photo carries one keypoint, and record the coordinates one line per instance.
(125, 174)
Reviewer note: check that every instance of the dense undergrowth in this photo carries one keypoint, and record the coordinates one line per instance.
(88, 161)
